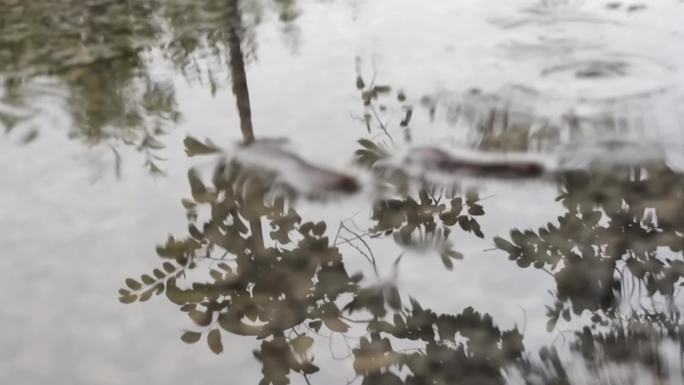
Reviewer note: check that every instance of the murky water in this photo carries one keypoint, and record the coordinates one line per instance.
(367, 192)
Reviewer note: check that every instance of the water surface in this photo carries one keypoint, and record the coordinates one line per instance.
(305, 192)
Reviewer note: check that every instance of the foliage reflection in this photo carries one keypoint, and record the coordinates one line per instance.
(288, 287)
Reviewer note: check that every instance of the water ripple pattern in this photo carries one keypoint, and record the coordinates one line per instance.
(576, 70)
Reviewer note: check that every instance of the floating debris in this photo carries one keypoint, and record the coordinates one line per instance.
(474, 163)
(271, 161)
(449, 166)
(431, 161)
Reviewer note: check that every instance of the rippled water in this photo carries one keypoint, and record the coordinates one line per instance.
(369, 192)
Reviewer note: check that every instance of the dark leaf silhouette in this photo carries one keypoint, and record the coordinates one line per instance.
(191, 337)
(214, 341)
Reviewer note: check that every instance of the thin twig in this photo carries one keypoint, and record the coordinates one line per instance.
(382, 126)
(353, 239)
(368, 258)
(339, 229)
(371, 257)
(353, 222)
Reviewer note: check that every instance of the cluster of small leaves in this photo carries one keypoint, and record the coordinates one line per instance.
(376, 300)
(465, 348)
(376, 112)
(283, 222)
(464, 214)
(369, 153)
(413, 223)
(255, 289)
(427, 223)
(149, 284)
(280, 356)
(609, 225)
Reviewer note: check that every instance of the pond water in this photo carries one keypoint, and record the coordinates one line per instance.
(344, 192)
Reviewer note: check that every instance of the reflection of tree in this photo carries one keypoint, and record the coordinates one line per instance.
(50, 37)
(287, 289)
(229, 277)
(454, 349)
(608, 244)
(377, 111)
(264, 291)
(635, 340)
(291, 285)
(97, 57)
(92, 51)
(423, 221)
(238, 76)
(519, 119)
(613, 233)
(632, 349)
(199, 34)
(502, 121)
